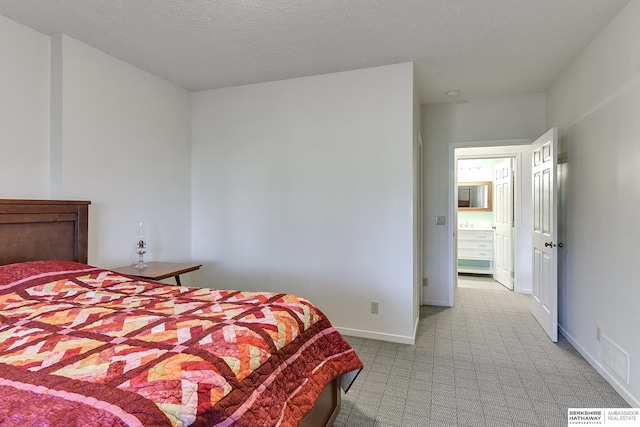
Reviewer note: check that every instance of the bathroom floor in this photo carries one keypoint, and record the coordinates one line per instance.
(479, 281)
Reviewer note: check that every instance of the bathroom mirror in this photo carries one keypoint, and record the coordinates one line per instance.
(475, 196)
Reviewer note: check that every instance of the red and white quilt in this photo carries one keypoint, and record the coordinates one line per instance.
(85, 346)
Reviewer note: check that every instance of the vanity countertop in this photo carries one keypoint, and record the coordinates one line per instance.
(475, 229)
(478, 227)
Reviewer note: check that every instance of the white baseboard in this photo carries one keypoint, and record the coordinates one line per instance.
(620, 388)
(401, 339)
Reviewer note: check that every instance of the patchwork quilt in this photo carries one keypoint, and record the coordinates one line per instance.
(85, 346)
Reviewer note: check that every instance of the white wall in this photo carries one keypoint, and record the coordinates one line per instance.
(24, 112)
(305, 186)
(76, 123)
(489, 119)
(125, 147)
(596, 106)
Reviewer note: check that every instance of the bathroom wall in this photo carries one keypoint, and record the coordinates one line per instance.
(475, 170)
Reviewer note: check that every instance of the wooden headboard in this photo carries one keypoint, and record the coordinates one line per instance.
(33, 230)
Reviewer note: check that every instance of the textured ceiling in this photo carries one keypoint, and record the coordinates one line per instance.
(480, 47)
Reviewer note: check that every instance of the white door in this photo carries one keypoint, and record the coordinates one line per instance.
(545, 227)
(503, 222)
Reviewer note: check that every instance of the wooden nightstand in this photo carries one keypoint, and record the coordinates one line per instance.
(158, 270)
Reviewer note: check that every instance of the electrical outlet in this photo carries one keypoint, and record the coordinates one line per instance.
(374, 307)
(598, 333)
(425, 282)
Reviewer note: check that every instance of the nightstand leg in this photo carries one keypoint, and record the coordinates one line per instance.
(178, 281)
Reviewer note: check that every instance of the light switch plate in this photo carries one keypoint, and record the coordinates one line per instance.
(440, 220)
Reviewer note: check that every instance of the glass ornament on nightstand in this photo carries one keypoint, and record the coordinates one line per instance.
(141, 249)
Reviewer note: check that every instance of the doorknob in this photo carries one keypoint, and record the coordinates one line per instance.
(560, 245)
(548, 244)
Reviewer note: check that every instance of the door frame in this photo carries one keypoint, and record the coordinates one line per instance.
(418, 198)
(520, 150)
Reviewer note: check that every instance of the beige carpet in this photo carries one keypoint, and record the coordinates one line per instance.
(484, 362)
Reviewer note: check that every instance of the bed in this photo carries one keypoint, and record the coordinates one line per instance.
(82, 345)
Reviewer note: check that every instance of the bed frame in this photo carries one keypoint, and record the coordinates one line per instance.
(327, 406)
(32, 230)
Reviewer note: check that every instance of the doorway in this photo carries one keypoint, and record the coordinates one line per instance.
(486, 226)
(520, 153)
